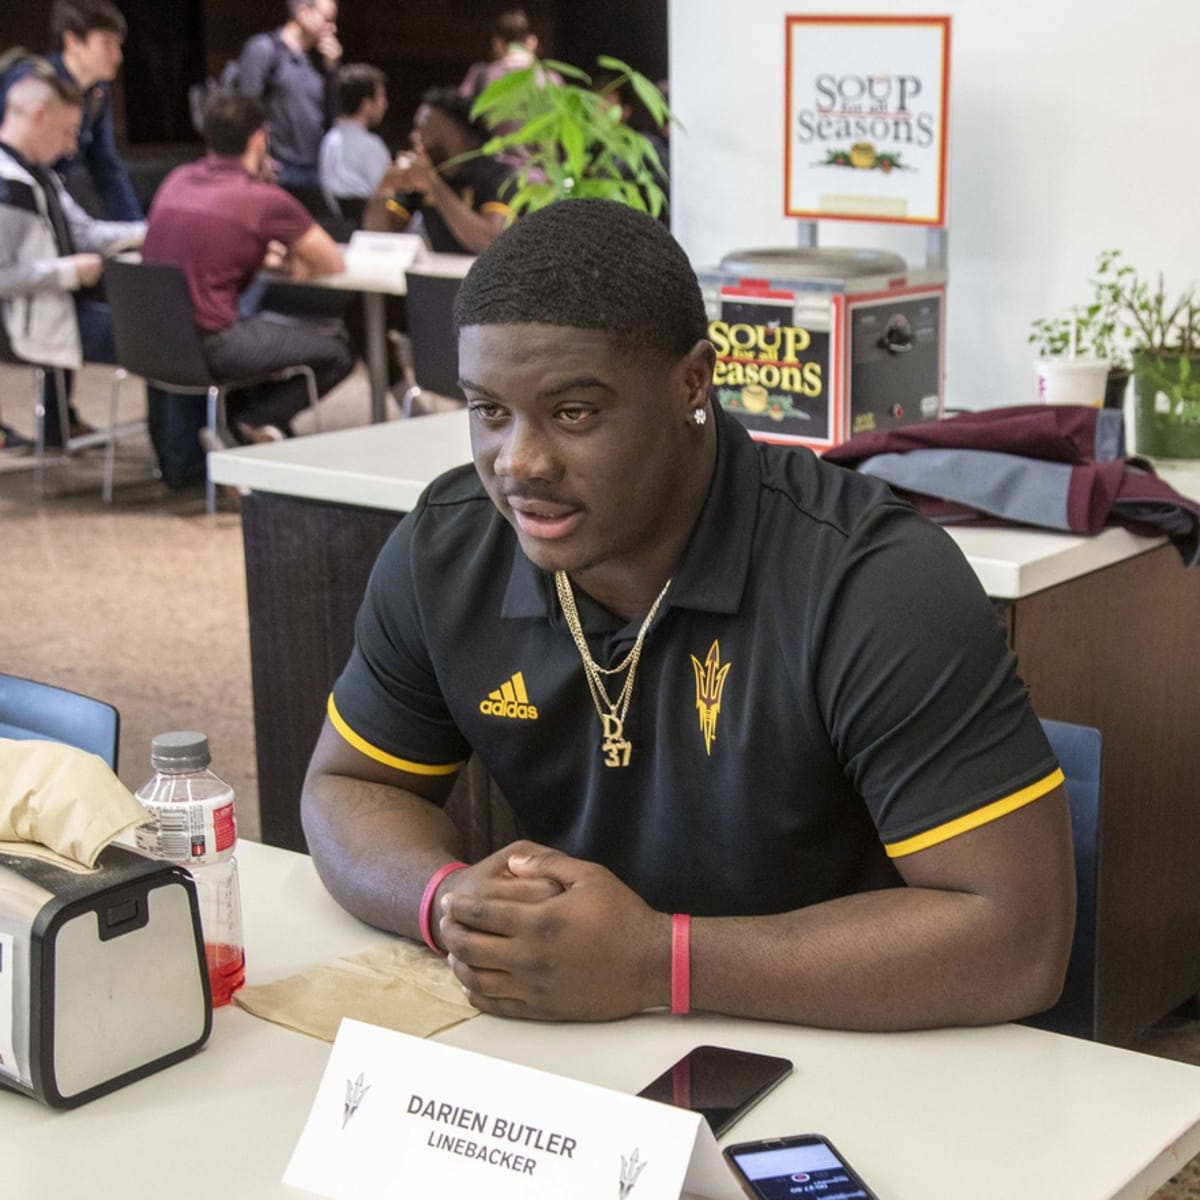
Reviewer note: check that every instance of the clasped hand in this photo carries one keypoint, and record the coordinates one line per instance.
(535, 933)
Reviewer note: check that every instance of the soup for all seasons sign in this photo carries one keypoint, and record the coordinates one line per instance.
(867, 118)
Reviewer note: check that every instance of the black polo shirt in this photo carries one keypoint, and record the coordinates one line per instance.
(868, 705)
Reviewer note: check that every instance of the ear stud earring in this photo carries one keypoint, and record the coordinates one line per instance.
(699, 415)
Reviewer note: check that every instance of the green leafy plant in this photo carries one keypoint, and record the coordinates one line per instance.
(1154, 322)
(1165, 334)
(1101, 328)
(569, 140)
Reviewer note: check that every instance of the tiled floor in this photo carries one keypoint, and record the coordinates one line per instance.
(144, 604)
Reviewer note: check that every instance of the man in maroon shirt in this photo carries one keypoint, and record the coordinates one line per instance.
(221, 221)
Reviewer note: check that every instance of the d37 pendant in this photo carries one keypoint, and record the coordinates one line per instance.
(615, 748)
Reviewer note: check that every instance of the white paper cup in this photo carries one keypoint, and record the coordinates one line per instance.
(1072, 380)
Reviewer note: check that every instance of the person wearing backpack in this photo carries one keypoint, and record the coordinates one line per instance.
(88, 35)
(291, 69)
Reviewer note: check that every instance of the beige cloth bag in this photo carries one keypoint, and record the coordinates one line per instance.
(61, 804)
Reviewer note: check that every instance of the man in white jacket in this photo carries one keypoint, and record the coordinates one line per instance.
(51, 251)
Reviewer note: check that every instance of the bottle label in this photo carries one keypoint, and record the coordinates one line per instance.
(190, 832)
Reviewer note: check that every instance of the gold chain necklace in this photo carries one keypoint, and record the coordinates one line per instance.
(615, 746)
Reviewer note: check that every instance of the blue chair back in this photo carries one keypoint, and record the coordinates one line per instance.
(1078, 750)
(39, 710)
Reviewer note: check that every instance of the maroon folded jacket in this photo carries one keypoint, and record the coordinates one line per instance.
(1118, 491)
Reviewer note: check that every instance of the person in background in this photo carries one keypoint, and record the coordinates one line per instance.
(221, 222)
(51, 251)
(292, 70)
(514, 46)
(88, 35)
(755, 716)
(353, 159)
(458, 207)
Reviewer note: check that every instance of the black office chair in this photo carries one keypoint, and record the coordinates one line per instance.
(29, 709)
(1078, 750)
(313, 199)
(432, 337)
(156, 336)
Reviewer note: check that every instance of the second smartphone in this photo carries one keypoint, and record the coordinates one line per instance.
(803, 1165)
(718, 1082)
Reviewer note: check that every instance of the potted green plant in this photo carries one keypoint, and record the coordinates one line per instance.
(1100, 332)
(1165, 333)
(568, 140)
(1068, 370)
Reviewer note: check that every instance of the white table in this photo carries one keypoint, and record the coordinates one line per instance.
(374, 285)
(959, 1114)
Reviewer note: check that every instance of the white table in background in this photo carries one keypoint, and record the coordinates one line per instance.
(957, 1114)
(374, 286)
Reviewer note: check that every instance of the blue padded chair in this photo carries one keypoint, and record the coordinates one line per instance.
(40, 710)
(1078, 750)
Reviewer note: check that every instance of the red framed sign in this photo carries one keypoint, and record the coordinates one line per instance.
(867, 114)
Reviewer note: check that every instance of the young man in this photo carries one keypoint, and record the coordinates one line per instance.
(88, 35)
(458, 208)
(291, 70)
(353, 159)
(50, 249)
(222, 222)
(756, 715)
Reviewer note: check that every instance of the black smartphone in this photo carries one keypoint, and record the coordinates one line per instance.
(804, 1165)
(719, 1083)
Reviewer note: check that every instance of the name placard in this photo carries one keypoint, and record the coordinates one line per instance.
(397, 1116)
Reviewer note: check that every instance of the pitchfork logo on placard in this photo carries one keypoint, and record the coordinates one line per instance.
(356, 1090)
(631, 1168)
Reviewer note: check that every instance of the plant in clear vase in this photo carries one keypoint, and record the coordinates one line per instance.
(1165, 335)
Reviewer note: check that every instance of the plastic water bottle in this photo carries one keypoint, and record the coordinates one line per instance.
(195, 826)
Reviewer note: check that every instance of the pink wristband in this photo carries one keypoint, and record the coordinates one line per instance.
(427, 902)
(681, 963)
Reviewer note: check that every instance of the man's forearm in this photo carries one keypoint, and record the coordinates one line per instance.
(375, 847)
(474, 231)
(904, 958)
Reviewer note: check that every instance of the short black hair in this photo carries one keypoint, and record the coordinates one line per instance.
(81, 17)
(588, 264)
(230, 120)
(357, 82)
(453, 104)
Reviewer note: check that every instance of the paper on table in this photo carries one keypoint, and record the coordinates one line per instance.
(61, 804)
(369, 253)
(400, 986)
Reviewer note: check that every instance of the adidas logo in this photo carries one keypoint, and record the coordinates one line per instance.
(510, 700)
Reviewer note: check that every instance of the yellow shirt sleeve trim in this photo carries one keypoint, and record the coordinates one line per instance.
(973, 820)
(389, 760)
(497, 206)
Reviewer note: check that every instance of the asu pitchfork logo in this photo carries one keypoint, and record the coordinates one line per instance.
(710, 683)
